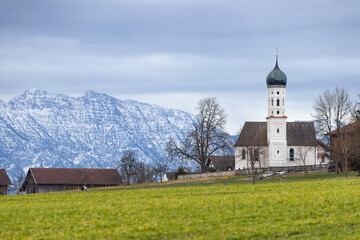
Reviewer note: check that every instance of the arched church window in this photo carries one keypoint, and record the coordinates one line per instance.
(278, 102)
(278, 130)
(272, 102)
(291, 154)
(278, 112)
(283, 102)
(243, 154)
(278, 93)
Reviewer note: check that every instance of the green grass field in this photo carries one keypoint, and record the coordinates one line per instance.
(301, 208)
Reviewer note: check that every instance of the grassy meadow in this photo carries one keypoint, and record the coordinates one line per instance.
(305, 209)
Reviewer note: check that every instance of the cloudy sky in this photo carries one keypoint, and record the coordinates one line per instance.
(174, 52)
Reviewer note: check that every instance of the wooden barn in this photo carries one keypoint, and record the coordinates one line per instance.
(4, 182)
(41, 180)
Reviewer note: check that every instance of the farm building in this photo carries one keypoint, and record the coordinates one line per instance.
(169, 176)
(4, 182)
(41, 180)
(221, 163)
(345, 144)
(323, 153)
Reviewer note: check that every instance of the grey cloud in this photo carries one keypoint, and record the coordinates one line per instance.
(189, 46)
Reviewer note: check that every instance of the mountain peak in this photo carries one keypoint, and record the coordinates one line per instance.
(35, 92)
(90, 94)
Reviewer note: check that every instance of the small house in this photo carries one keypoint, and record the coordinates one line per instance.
(221, 163)
(4, 182)
(169, 176)
(323, 153)
(41, 180)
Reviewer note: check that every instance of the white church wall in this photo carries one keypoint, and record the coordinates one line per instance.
(243, 162)
(308, 153)
(240, 162)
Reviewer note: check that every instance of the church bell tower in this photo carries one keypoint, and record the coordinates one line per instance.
(276, 121)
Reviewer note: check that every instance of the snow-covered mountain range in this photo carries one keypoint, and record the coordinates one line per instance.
(41, 129)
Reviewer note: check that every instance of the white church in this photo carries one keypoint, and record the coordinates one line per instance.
(276, 142)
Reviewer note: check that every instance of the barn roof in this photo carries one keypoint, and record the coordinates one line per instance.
(297, 134)
(76, 176)
(353, 127)
(222, 163)
(4, 179)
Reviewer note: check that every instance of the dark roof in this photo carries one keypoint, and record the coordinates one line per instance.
(76, 176)
(171, 175)
(276, 76)
(353, 127)
(253, 134)
(4, 179)
(297, 134)
(300, 134)
(223, 163)
(320, 154)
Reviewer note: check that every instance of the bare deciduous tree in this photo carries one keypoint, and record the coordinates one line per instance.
(159, 170)
(346, 145)
(256, 149)
(355, 158)
(207, 135)
(18, 180)
(333, 109)
(303, 151)
(128, 167)
(144, 173)
(355, 140)
(254, 157)
(133, 171)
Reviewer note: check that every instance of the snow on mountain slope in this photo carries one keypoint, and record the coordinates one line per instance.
(40, 129)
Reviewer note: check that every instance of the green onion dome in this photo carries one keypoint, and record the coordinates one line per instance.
(276, 76)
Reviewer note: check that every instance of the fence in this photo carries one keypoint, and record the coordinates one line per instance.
(203, 175)
(248, 171)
